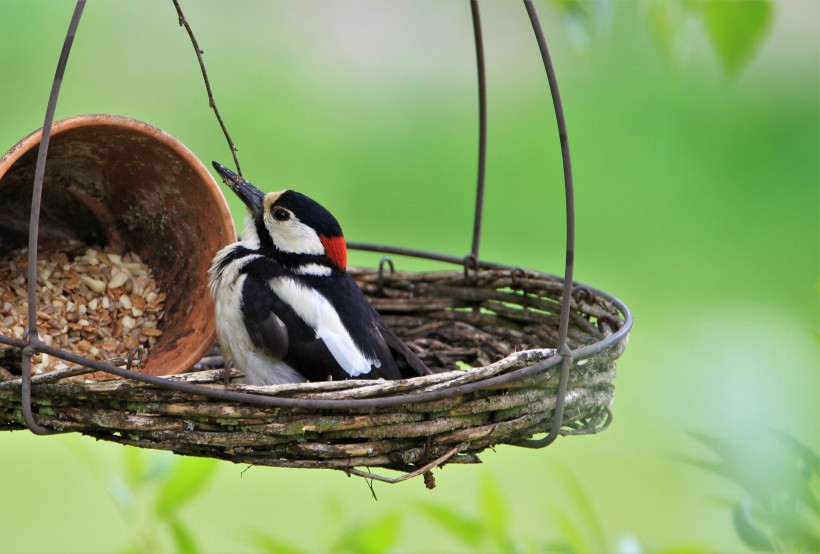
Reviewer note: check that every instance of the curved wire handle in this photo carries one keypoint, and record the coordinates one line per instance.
(482, 128)
(566, 356)
(34, 222)
(564, 351)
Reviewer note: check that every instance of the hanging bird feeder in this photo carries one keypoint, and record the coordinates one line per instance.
(520, 353)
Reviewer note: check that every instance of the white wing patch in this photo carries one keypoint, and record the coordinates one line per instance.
(319, 314)
(313, 269)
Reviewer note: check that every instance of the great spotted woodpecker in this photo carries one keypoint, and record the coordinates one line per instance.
(286, 309)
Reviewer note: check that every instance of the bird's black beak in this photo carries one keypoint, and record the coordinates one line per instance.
(249, 194)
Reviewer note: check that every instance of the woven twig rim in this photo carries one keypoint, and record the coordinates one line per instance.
(454, 427)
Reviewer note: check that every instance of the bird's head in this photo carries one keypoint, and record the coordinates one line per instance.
(295, 229)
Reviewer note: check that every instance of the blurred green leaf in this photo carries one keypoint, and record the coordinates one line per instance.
(685, 548)
(736, 29)
(570, 6)
(189, 478)
(86, 454)
(272, 545)
(495, 514)
(764, 470)
(809, 456)
(462, 527)
(571, 534)
(334, 508)
(183, 538)
(781, 512)
(749, 531)
(121, 493)
(580, 18)
(158, 465)
(664, 21)
(586, 510)
(559, 545)
(794, 529)
(746, 466)
(371, 537)
(133, 465)
(727, 472)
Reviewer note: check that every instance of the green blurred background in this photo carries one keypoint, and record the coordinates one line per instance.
(697, 205)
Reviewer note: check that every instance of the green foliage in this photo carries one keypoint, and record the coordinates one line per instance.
(151, 490)
(780, 511)
(188, 479)
(487, 531)
(588, 534)
(266, 542)
(343, 533)
(577, 523)
(736, 29)
(663, 19)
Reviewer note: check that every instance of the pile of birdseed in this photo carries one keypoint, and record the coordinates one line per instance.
(92, 302)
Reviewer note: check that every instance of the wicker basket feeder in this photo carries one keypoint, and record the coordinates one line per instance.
(520, 354)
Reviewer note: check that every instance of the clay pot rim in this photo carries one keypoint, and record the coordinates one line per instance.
(117, 121)
(185, 359)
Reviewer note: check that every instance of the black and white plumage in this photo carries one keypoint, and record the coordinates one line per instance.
(286, 309)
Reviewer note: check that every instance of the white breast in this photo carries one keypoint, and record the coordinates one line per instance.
(236, 345)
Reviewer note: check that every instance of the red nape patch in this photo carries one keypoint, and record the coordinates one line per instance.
(336, 250)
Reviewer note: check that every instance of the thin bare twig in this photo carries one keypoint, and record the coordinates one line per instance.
(393, 480)
(211, 102)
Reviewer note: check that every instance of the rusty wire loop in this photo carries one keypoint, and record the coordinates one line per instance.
(581, 293)
(137, 355)
(387, 260)
(471, 262)
(516, 274)
(515, 277)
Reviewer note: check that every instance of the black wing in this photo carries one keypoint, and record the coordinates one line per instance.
(259, 314)
(407, 361)
(276, 329)
(397, 360)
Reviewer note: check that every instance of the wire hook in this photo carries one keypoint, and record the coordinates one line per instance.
(380, 282)
(138, 355)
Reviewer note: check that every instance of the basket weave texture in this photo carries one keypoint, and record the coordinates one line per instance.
(502, 322)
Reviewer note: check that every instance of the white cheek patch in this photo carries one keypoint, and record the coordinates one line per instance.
(293, 236)
(318, 313)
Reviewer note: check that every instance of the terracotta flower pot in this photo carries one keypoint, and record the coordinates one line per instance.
(119, 182)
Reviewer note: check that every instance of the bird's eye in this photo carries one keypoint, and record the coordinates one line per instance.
(281, 214)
